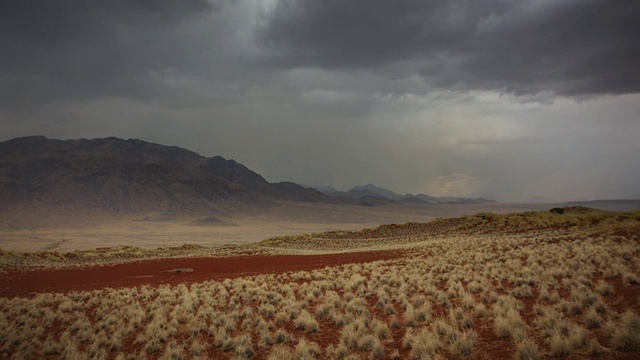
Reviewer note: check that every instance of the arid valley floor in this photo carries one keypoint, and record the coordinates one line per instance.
(526, 285)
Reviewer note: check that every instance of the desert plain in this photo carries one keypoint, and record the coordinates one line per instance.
(43, 229)
(408, 282)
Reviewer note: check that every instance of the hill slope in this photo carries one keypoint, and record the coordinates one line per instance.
(131, 176)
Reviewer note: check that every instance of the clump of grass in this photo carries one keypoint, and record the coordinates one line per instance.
(480, 311)
(626, 336)
(395, 354)
(306, 350)
(629, 278)
(371, 344)
(559, 345)
(596, 349)
(592, 319)
(306, 321)
(394, 322)
(243, 347)
(339, 351)
(522, 291)
(566, 338)
(280, 352)
(463, 344)
(509, 324)
(380, 329)
(603, 287)
(424, 345)
(527, 350)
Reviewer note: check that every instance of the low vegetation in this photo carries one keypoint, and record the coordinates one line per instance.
(118, 254)
(526, 286)
(573, 220)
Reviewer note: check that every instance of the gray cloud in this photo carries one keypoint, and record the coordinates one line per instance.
(60, 50)
(569, 47)
(505, 99)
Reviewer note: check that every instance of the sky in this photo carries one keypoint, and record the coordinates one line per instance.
(523, 100)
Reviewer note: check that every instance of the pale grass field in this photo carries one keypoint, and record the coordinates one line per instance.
(527, 286)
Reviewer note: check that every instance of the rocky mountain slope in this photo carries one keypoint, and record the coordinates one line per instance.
(131, 176)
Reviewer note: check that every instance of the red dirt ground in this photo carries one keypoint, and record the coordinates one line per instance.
(154, 272)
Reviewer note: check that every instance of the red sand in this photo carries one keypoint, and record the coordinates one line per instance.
(154, 272)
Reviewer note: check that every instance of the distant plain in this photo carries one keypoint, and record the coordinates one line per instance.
(69, 230)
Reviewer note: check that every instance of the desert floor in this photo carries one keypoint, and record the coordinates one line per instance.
(69, 231)
(486, 286)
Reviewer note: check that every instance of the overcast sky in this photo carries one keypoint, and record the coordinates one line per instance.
(513, 100)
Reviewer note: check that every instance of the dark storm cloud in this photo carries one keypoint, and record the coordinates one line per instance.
(467, 98)
(56, 22)
(568, 47)
(73, 49)
(189, 52)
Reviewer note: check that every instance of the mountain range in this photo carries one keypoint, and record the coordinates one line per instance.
(132, 176)
(136, 176)
(370, 190)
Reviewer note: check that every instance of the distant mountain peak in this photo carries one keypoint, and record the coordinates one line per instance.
(373, 191)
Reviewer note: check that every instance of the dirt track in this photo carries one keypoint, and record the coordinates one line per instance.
(156, 272)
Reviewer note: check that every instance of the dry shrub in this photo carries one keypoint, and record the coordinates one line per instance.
(306, 321)
(527, 350)
(626, 336)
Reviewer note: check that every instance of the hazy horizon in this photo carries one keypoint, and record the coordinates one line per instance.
(508, 100)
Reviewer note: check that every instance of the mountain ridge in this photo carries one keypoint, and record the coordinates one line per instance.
(136, 176)
(370, 190)
(132, 176)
